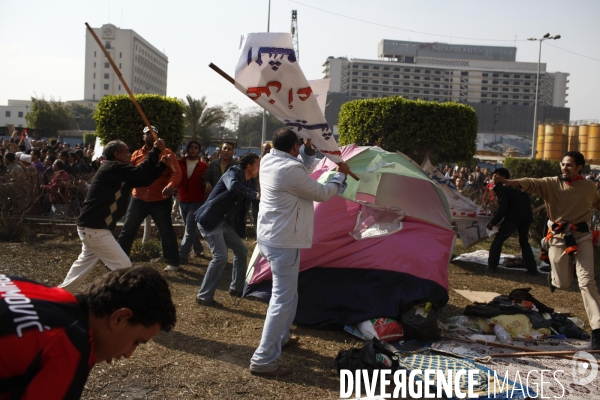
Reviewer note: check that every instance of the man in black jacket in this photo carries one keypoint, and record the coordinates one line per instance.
(106, 203)
(514, 214)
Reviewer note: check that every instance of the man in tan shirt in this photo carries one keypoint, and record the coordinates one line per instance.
(569, 198)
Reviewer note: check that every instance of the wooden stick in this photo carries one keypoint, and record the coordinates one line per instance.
(118, 72)
(501, 345)
(542, 353)
(229, 79)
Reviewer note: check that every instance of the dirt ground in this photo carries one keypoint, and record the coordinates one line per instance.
(207, 354)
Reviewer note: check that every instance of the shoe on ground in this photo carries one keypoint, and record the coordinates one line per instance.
(172, 268)
(545, 267)
(214, 303)
(533, 271)
(183, 262)
(236, 293)
(280, 371)
(596, 339)
(490, 270)
(550, 285)
(293, 341)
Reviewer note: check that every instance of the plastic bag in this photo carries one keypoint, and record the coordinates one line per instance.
(384, 329)
(420, 323)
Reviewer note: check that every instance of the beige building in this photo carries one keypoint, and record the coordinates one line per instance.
(143, 67)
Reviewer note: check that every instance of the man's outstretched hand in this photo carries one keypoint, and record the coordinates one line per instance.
(343, 168)
(160, 144)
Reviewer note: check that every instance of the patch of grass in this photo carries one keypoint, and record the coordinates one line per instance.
(143, 252)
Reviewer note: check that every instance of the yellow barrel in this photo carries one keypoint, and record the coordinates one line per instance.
(554, 142)
(540, 142)
(593, 149)
(583, 139)
(565, 133)
(573, 138)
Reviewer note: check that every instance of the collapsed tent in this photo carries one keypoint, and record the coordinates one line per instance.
(381, 246)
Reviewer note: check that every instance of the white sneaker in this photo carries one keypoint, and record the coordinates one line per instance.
(172, 268)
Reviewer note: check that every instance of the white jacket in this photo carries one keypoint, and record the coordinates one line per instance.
(286, 213)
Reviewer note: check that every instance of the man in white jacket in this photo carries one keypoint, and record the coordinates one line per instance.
(285, 225)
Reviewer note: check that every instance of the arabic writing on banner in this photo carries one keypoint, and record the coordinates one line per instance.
(470, 219)
(269, 74)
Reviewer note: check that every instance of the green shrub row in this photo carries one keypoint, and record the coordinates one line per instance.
(448, 131)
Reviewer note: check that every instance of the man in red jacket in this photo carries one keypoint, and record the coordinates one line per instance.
(51, 339)
(191, 197)
(59, 190)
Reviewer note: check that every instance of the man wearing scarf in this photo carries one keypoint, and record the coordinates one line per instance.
(568, 200)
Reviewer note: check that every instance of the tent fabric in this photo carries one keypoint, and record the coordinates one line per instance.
(384, 273)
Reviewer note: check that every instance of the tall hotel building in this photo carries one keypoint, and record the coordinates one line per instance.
(489, 78)
(143, 67)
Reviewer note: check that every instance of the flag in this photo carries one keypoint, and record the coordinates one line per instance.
(268, 73)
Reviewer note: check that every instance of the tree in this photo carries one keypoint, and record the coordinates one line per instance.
(447, 131)
(199, 118)
(250, 128)
(83, 117)
(117, 118)
(49, 116)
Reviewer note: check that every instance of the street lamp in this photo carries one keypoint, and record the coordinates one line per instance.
(537, 84)
(263, 138)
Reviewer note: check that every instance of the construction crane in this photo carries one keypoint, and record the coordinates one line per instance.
(294, 32)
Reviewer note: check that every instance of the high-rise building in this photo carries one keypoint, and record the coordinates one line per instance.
(143, 67)
(487, 77)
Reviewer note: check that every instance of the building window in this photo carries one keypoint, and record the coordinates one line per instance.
(409, 59)
(426, 92)
(484, 88)
(374, 95)
(365, 88)
(354, 72)
(515, 97)
(20, 114)
(406, 69)
(386, 75)
(438, 72)
(464, 73)
(406, 91)
(427, 85)
(396, 69)
(526, 97)
(484, 81)
(375, 88)
(527, 84)
(375, 74)
(516, 83)
(106, 65)
(505, 89)
(437, 86)
(375, 67)
(120, 55)
(495, 75)
(7, 113)
(94, 75)
(119, 65)
(416, 91)
(365, 67)
(406, 84)
(506, 76)
(106, 76)
(364, 95)
(416, 84)
(484, 95)
(396, 83)
(517, 76)
(386, 89)
(354, 87)
(527, 76)
(106, 86)
(107, 45)
(395, 90)
(506, 82)
(485, 74)
(417, 70)
(375, 81)
(494, 89)
(386, 68)
(505, 103)
(436, 93)
(119, 87)
(494, 96)
(504, 96)
(365, 81)
(94, 86)
(354, 80)
(386, 82)
(94, 64)
(365, 74)
(515, 90)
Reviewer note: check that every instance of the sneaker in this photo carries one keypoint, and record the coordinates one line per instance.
(172, 268)
(236, 293)
(205, 303)
(596, 339)
(280, 371)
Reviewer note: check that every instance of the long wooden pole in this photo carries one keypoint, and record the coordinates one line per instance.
(229, 79)
(116, 69)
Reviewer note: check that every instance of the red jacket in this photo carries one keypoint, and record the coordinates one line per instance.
(192, 190)
(59, 188)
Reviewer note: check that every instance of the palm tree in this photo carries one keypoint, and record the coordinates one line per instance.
(199, 118)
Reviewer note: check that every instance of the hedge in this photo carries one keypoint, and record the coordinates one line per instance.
(89, 138)
(117, 118)
(447, 130)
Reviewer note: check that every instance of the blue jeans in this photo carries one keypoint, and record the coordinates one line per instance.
(285, 265)
(219, 239)
(160, 211)
(190, 237)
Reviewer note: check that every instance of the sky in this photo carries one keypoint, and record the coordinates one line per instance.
(42, 43)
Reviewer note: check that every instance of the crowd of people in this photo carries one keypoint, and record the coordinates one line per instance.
(214, 199)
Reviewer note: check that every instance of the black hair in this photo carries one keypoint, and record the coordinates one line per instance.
(79, 153)
(59, 163)
(10, 157)
(577, 156)
(228, 142)
(36, 152)
(503, 172)
(111, 148)
(143, 290)
(193, 142)
(64, 153)
(248, 159)
(22, 147)
(284, 139)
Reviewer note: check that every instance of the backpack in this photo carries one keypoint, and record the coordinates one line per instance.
(374, 355)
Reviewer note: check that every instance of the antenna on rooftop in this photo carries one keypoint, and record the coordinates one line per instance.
(294, 32)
